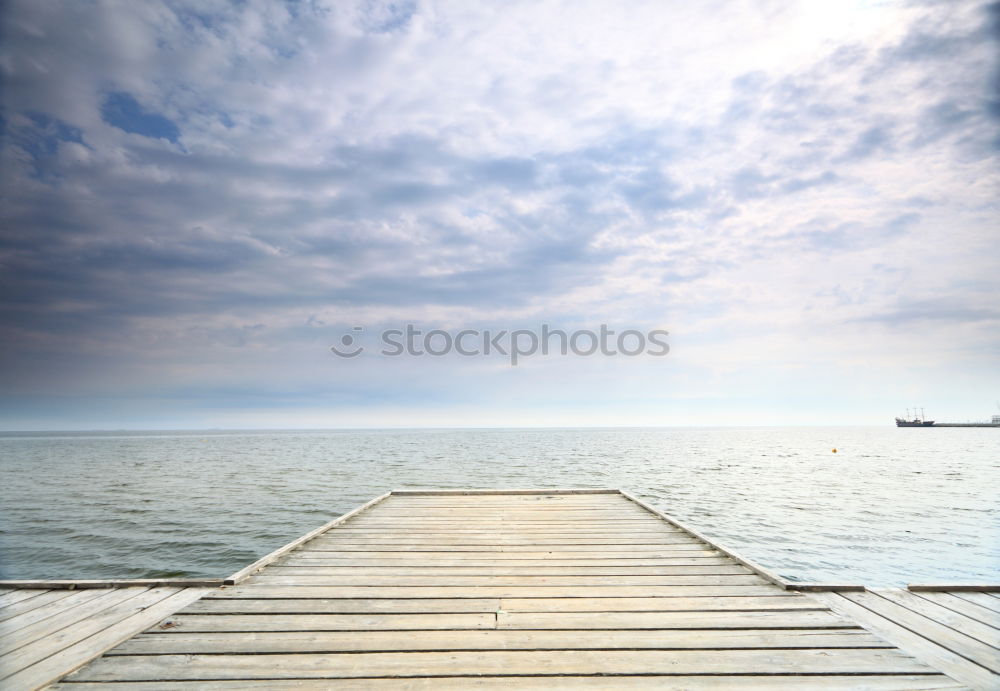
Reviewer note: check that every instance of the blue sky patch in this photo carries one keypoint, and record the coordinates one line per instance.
(122, 111)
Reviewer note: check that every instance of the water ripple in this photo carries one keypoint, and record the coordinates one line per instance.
(892, 506)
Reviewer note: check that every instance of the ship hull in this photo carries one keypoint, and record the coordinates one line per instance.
(967, 424)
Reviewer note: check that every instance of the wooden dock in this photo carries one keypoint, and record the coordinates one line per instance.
(502, 589)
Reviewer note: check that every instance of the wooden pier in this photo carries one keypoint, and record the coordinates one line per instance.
(500, 589)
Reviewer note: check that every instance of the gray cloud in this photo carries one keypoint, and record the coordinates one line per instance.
(165, 164)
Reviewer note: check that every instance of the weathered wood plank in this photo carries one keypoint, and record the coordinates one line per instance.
(675, 682)
(533, 512)
(325, 665)
(534, 550)
(330, 560)
(966, 646)
(353, 592)
(360, 606)
(489, 581)
(26, 605)
(672, 620)
(982, 599)
(80, 584)
(448, 571)
(942, 615)
(9, 596)
(659, 604)
(375, 641)
(102, 636)
(486, 492)
(576, 604)
(972, 610)
(502, 540)
(49, 626)
(503, 531)
(495, 554)
(326, 622)
(952, 664)
(123, 603)
(10, 626)
(374, 522)
(956, 587)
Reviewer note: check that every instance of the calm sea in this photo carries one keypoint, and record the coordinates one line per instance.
(891, 506)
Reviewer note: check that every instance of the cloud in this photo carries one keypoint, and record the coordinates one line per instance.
(238, 165)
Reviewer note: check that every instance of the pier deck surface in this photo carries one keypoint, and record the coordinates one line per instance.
(505, 590)
(46, 633)
(955, 631)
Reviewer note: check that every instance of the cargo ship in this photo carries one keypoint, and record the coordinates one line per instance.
(994, 422)
(919, 421)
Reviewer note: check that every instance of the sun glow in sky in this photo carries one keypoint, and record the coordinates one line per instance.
(200, 198)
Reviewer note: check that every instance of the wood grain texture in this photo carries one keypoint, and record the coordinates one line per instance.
(533, 589)
(677, 682)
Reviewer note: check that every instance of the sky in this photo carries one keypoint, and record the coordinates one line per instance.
(200, 198)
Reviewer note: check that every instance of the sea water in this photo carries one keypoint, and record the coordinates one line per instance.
(890, 506)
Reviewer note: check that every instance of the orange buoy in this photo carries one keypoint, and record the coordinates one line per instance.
(835, 451)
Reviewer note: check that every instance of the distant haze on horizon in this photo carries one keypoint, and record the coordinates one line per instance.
(201, 198)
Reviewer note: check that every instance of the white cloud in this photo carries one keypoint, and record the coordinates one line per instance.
(745, 174)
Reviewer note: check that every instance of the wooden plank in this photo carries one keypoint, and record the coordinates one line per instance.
(534, 550)
(445, 572)
(503, 513)
(659, 604)
(855, 682)
(375, 522)
(375, 641)
(352, 592)
(91, 637)
(508, 501)
(26, 605)
(495, 554)
(432, 492)
(490, 581)
(956, 587)
(959, 643)
(952, 664)
(267, 559)
(527, 542)
(78, 584)
(49, 626)
(509, 514)
(333, 665)
(942, 615)
(125, 602)
(495, 507)
(326, 622)
(10, 596)
(679, 558)
(806, 619)
(575, 604)
(981, 614)
(982, 599)
(359, 606)
(12, 627)
(539, 532)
